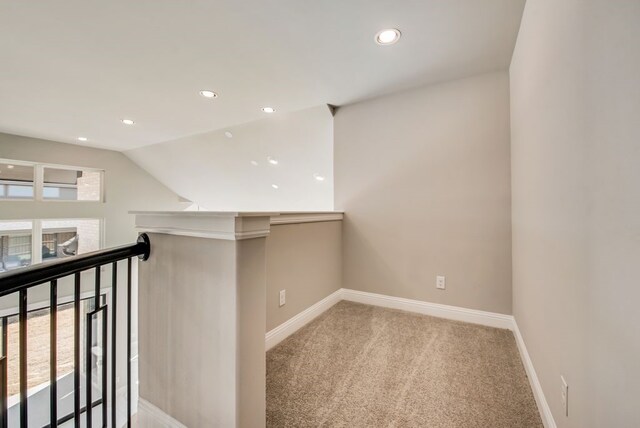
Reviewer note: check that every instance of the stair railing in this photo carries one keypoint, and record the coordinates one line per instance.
(19, 281)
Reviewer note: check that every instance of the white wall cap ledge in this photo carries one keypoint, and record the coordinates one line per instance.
(231, 226)
(306, 217)
(227, 225)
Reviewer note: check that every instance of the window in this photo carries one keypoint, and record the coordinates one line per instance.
(15, 244)
(16, 180)
(65, 238)
(72, 185)
(27, 242)
(24, 180)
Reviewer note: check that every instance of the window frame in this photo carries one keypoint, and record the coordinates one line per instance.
(38, 181)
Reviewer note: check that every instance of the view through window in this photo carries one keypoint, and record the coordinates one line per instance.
(15, 244)
(20, 247)
(72, 185)
(16, 181)
(21, 180)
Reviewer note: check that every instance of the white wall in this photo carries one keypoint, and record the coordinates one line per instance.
(216, 172)
(575, 101)
(423, 178)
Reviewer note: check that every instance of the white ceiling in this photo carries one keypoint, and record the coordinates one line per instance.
(74, 68)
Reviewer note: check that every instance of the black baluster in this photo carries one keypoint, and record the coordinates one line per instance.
(104, 366)
(114, 300)
(87, 361)
(97, 292)
(4, 423)
(53, 350)
(76, 352)
(23, 359)
(96, 305)
(129, 342)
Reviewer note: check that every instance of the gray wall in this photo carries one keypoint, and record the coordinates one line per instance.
(575, 100)
(127, 187)
(306, 260)
(423, 177)
(202, 323)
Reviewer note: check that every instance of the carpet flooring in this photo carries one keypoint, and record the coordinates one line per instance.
(364, 366)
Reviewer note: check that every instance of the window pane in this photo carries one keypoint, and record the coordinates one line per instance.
(72, 185)
(16, 181)
(65, 238)
(15, 244)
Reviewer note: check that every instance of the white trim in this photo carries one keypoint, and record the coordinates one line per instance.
(294, 218)
(227, 225)
(292, 325)
(157, 417)
(36, 241)
(201, 234)
(490, 319)
(541, 401)
(223, 214)
(214, 225)
(38, 182)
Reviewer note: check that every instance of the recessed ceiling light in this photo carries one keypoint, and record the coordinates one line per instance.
(254, 163)
(275, 186)
(208, 94)
(272, 161)
(82, 138)
(388, 36)
(268, 109)
(127, 121)
(228, 134)
(10, 166)
(318, 177)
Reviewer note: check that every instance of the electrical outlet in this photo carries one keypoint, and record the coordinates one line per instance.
(565, 395)
(440, 283)
(283, 297)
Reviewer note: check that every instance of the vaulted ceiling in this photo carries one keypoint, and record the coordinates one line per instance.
(74, 68)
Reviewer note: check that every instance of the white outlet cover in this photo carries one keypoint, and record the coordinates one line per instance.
(440, 282)
(283, 297)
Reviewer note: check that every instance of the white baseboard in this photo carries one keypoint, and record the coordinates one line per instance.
(154, 417)
(538, 394)
(490, 319)
(289, 327)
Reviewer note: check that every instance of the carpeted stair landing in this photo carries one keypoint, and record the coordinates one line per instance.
(363, 366)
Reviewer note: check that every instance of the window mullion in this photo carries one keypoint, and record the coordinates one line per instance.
(38, 182)
(36, 241)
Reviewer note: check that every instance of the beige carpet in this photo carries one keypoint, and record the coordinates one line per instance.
(362, 366)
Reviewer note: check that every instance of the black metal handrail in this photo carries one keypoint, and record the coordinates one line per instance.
(15, 280)
(20, 280)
